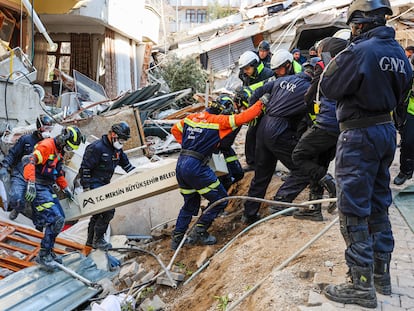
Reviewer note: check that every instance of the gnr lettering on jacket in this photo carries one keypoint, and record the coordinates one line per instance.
(392, 64)
(287, 86)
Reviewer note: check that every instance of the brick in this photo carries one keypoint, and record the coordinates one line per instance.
(163, 280)
(128, 270)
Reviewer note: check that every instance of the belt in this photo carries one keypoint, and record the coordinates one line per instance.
(195, 154)
(365, 122)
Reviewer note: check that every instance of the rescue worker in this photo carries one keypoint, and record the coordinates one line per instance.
(234, 167)
(13, 162)
(277, 134)
(199, 135)
(370, 78)
(253, 74)
(263, 51)
(406, 130)
(297, 61)
(98, 165)
(42, 170)
(316, 148)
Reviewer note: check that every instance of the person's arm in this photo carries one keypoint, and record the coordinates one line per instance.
(15, 154)
(259, 92)
(124, 163)
(89, 162)
(341, 76)
(177, 131)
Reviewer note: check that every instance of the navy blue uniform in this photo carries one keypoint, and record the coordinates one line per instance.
(316, 148)
(277, 136)
(368, 79)
(234, 167)
(98, 166)
(13, 161)
(261, 74)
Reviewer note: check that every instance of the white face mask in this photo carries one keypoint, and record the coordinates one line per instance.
(46, 134)
(118, 145)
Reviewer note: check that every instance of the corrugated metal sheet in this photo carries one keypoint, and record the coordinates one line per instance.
(35, 289)
(225, 56)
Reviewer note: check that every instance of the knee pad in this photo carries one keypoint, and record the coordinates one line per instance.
(353, 229)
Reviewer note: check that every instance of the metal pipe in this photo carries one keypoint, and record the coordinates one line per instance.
(76, 275)
(247, 198)
(283, 264)
(38, 22)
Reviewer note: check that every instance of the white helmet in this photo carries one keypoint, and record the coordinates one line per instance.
(248, 58)
(279, 58)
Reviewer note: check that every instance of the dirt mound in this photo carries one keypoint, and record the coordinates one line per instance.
(253, 257)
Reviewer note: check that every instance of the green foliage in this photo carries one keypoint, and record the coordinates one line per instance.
(127, 306)
(216, 11)
(181, 74)
(223, 301)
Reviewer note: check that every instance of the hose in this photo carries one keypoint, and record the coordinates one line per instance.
(283, 264)
(205, 265)
(245, 198)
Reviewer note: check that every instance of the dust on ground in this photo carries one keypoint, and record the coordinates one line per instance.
(254, 256)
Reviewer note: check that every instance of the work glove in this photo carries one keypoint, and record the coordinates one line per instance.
(69, 193)
(265, 99)
(30, 191)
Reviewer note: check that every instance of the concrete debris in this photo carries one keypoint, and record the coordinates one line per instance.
(155, 304)
(205, 255)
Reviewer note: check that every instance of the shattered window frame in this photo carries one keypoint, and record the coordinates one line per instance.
(62, 53)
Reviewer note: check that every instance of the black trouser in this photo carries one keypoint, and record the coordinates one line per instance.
(313, 153)
(250, 143)
(98, 224)
(407, 146)
(268, 152)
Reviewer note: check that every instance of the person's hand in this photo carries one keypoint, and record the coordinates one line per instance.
(265, 99)
(30, 191)
(69, 193)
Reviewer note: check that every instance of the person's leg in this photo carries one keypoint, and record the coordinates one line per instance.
(250, 146)
(263, 173)
(361, 156)
(406, 152)
(101, 225)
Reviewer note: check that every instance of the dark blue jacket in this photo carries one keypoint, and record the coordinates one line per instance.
(286, 106)
(370, 77)
(24, 146)
(261, 73)
(99, 162)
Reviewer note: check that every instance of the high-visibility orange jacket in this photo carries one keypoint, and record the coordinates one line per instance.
(45, 165)
(202, 132)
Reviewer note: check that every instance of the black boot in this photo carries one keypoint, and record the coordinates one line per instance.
(359, 291)
(328, 182)
(382, 279)
(55, 257)
(176, 239)
(100, 243)
(13, 214)
(275, 208)
(312, 212)
(402, 178)
(45, 259)
(200, 236)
